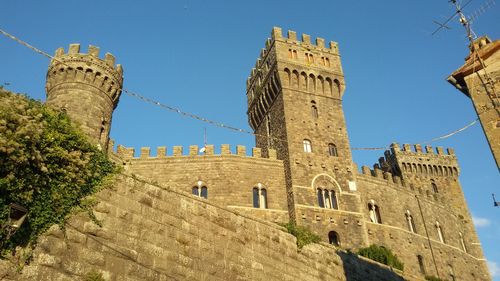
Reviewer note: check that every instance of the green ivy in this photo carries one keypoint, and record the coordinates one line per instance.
(382, 255)
(94, 276)
(46, 165)
(304, 236)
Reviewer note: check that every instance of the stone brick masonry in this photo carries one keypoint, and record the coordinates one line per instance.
(158, 225)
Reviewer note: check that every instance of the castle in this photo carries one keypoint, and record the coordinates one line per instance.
(301, 170)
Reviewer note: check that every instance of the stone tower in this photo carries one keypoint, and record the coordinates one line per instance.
(294, 98)
(471, 79)
(87, 88)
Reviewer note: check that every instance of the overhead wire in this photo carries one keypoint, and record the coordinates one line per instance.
(203, 119)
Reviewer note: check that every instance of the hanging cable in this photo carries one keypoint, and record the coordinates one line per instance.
(206, 120)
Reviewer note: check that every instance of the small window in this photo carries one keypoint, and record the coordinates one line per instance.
(307, 146)
(314, 110)
(204, 192)
(196, 191)
(374, 213)
(440, 232)
(421, 264)
(255, 197)
(332, 150)
(295, 54)
(434, 187)
(200, 190)
(321, 202)
(259, 197)
(462, 241)
(411, 222)
(333, 238)
(333, 195)
(327, 198)
(328, 201)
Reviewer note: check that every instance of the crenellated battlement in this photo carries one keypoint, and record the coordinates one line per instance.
(418, 161)
(287, 62)
(305, 41)
(263, 61)
(127, 153)
(88, 68)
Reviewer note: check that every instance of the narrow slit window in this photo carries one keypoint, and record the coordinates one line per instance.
(307, 145)
(314, 110)
(320, 198)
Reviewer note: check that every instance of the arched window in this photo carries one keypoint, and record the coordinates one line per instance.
(332, 150)
(434, 187)
(374, 212)
(333, 196)
(328, 201)
(259, 196)
(263, 198)
(204, 192)
(327, 198)
(307, 145)
(333, 238)
(321, 202)
(410, 222)
(200, 190)
(462, 241)
(255, 197)
(440, 232)
(421, 264)
(314, 110)
(196, 191)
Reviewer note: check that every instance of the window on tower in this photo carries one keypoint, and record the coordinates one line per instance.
(374, 212)
(440, 232)
(200, 190)
(314, 110)
(410, 222)
(434, 187)
(307, 145)
(332, 150)
(259, 197)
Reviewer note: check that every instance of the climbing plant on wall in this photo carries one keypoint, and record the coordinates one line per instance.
(46, 165)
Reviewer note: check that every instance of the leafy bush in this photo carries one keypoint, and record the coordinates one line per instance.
(46, 165)
(94, 276)
(382, 255)
(304, 236)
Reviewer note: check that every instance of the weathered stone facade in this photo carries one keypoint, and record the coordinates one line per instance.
(479, 79)
(205, 216)
(87, 88)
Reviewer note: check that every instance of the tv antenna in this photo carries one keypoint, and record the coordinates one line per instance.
(465, 21)
(457, 13)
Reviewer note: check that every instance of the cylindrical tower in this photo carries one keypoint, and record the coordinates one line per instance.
(87, 88)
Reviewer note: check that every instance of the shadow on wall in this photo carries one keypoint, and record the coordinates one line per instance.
(357, 269)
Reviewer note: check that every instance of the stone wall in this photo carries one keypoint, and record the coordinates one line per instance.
(394, 232)
(229, 177)
(153, 233)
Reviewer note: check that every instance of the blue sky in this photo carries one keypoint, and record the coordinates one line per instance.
(196, 55)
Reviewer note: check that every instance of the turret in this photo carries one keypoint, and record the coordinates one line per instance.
(87, 88)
